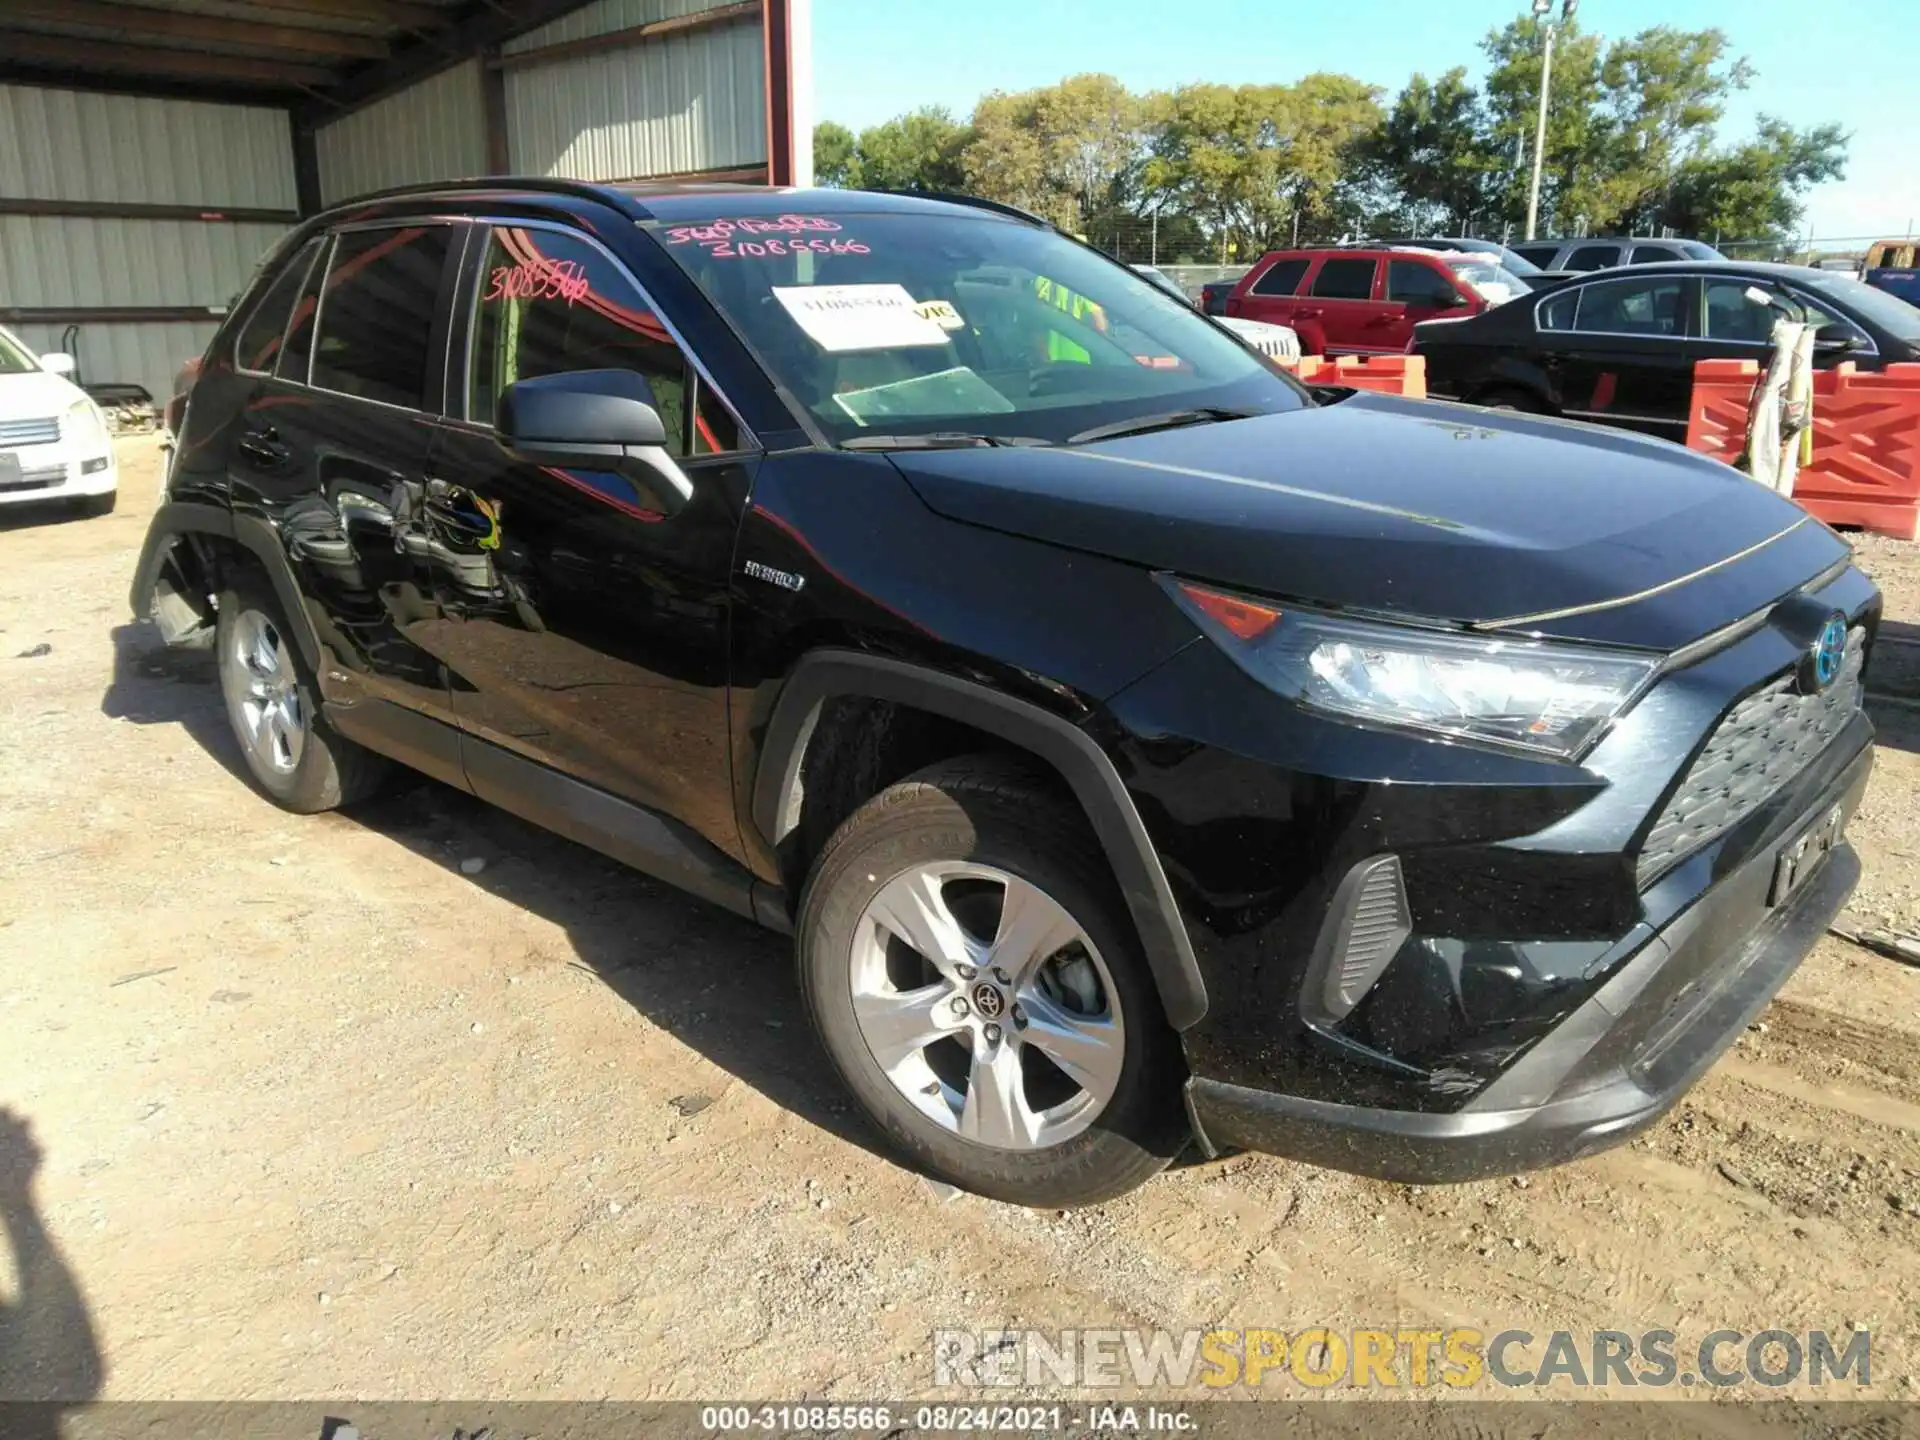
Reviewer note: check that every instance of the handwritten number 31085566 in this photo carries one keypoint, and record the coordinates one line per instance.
(539, 280)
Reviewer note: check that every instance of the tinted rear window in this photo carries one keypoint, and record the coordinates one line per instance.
(376, 320)
(1593, 257)
(259, 343)
(1282, 278)
(1345, 280)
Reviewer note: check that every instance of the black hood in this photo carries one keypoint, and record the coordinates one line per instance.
(1412, 507)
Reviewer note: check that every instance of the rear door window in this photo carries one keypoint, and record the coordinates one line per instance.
(1558, 312)
(1345, 280)
(260, 338)
(1280, 278)
(376, 327)
(297, 352)
(1593, 257)
(1413, 283)
(1634, 307)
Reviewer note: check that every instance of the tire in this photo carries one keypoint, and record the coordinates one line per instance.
(97, 505)
(976, 1099)
(295, 757)
(1519, 401)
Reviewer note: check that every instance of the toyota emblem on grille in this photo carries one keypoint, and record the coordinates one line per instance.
(1821, 665)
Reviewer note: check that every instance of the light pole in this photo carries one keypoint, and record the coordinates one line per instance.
(1542, 10)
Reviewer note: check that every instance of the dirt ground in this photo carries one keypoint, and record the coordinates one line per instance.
(324, 1116)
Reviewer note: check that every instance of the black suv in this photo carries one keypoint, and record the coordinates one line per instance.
(1142, 749)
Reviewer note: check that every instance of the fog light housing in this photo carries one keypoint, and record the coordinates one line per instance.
(95, 465)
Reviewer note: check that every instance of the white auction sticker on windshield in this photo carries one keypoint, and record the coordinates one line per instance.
(839, 318)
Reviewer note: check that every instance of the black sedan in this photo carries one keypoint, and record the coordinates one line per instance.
(1619, 347)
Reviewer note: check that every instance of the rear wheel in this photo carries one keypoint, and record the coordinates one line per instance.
(1522, 401)
(976, 980)
(294, 755)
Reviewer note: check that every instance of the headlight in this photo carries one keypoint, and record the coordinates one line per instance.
(1514, 694)
(83, 424)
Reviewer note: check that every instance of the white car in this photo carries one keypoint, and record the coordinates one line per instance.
(1276, 342)
(54, 443)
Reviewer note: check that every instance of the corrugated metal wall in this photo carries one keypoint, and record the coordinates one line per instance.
(80, 145)
(117, 149)
(435, 130)
(679, 103)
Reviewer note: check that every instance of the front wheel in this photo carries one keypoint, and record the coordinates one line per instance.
(976, 980)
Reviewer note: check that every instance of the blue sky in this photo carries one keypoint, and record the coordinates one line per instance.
(1850, 61)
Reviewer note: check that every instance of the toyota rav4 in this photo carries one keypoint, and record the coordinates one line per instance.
(1142, 750)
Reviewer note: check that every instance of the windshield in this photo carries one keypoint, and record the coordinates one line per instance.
(912, 324)
(15, 358)
(1490, 280)
(1869, 302)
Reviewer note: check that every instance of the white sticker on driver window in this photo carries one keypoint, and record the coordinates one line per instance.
(840, 318)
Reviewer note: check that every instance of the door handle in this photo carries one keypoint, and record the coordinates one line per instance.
(264, 447)
(1308, 314)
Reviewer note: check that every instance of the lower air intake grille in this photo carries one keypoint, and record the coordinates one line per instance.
(1761, 744)
(1370, 933)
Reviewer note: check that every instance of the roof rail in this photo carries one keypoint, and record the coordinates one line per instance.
(552, 185)
(999, 207)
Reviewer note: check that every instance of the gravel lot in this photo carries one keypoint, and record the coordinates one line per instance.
(324, 1116)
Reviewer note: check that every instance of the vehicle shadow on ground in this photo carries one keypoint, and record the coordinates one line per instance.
(49, 1355)
(718, 983)
(1893, 686)
(153, 685)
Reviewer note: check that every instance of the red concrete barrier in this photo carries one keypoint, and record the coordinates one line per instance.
(1389, 374)
(1866, 439)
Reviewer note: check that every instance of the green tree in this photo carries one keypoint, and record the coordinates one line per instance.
(1066, 151)
(1755, 191)
(917, 151)
(1261, 165)
(836, 159)
(1432, 163)
(1573, 180)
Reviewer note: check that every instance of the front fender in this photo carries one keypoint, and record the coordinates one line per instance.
(1065, 747)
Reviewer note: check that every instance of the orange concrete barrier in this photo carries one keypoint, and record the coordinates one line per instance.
(1866, 439)
(1389, 374)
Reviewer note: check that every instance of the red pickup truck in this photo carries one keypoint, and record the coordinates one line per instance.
(1366, 301)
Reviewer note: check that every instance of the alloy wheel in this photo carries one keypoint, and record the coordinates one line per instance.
(986, 1005)
(273, 721)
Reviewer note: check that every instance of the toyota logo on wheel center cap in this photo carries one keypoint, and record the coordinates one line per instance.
(988, 1001)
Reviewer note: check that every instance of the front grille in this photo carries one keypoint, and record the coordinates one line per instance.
(18, 434)
(42, 479)
(1760, 745)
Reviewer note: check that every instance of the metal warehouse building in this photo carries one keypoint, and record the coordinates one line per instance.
(152, 150)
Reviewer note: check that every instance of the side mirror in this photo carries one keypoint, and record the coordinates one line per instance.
(1835, 340)
(1452, 300)
(593, 420)
(58, 362)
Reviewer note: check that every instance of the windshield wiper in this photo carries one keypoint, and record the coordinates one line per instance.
(1167, 420)
(938, 440)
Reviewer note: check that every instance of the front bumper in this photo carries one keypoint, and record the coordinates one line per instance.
(58, 472)
(1607, 1071)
